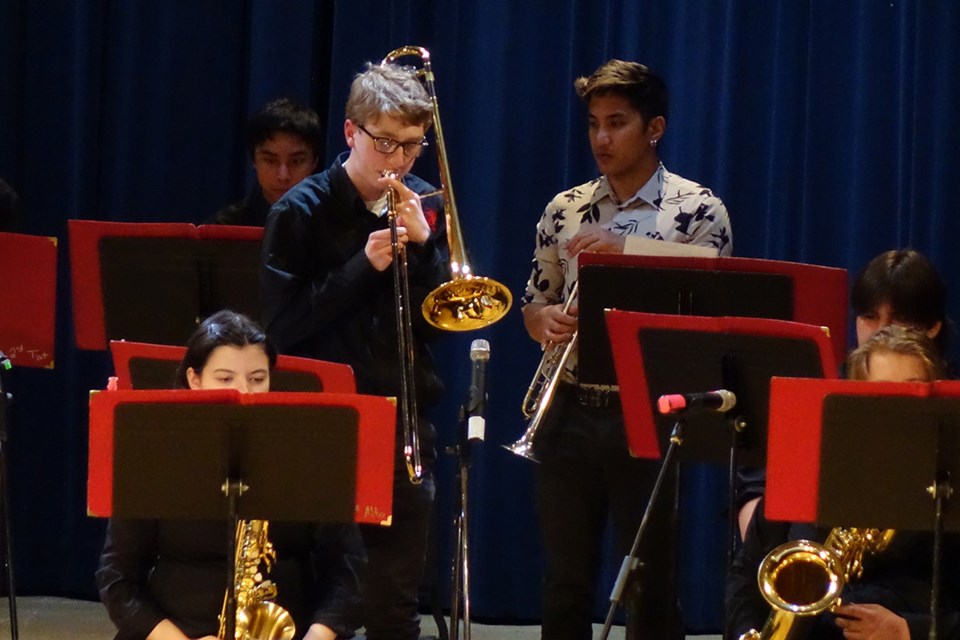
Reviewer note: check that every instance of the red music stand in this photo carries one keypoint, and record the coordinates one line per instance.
(305, 457)
(657, 354)
(163, 424)
(866, 454)
(739, 287)
(807, 430)
(153, 282)
(152, 366)
(28, 297)
(28, 302)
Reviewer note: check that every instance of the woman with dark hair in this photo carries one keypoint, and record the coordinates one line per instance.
(165, 579)
(900, 287)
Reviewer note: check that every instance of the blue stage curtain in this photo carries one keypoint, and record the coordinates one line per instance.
(829, 129)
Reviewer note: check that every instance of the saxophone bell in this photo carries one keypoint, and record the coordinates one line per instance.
(803, 579)
(257, 617)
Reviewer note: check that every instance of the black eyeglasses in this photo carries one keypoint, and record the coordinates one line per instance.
(389, 145)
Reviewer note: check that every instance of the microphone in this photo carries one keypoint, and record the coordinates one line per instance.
(720, 400)
(477, 397)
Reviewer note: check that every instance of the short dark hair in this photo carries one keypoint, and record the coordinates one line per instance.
(222, 328)
(645, 90)
(907, 281)
(283, 115)
(904, 341)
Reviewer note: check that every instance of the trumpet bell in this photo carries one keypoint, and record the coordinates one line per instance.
(522, 448)
(467, 303)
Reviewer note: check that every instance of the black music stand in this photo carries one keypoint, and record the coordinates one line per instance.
(915, 441)
(736, 287)
(902, 439)
(211, 461)
(153, 282)
(658, 354)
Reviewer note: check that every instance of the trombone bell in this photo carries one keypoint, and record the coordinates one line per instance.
(467, 303)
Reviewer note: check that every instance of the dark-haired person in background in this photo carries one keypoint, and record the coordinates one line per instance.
(283, 139)
(901, 287)
(10, 208)
(165, 579)
(587, 475)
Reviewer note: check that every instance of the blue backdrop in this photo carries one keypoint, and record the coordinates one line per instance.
(828, 127)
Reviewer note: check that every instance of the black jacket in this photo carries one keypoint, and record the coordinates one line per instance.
(151, 570)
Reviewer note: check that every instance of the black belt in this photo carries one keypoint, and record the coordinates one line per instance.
(598, 398)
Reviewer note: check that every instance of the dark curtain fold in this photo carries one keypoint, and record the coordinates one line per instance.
(829, 128)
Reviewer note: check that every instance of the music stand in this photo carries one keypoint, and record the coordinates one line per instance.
(28, 292)
(211, 454)
(153, 366)
(906, 431)
(153, 282)
(656, 354)
(740, 287)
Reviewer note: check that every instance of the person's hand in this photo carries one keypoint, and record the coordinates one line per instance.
(549, 323)
(318, 631)
(379, 249)
(409, 211)
(871, 622)
(595, 239)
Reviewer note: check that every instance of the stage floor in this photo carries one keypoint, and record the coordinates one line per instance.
(47, 618)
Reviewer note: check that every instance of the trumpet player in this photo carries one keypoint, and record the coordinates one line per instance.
(891, 600)
(328, 293)
(586, 472)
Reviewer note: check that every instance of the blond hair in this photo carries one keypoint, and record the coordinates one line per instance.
(902, 340)
(389, 89)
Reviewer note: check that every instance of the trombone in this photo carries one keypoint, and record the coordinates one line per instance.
(467, 301)
(543, 387)
(408, 395)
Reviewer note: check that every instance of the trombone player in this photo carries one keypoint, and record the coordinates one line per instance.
(328, 258)
(586, 472)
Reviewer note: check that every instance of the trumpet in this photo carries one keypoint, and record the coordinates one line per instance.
(543, 387)
(408, 395)
(467, 301)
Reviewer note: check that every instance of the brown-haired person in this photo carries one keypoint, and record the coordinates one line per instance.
(328, 292)
(165, 579)
(891, 600)
(901, 287)
(283, 139)
(586, 473)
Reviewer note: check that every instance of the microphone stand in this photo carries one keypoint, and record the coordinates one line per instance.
(7, 530)
(631, 561)
(461, 563)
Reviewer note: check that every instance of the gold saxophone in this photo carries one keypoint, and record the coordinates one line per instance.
(802, 579)
(258, 617)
